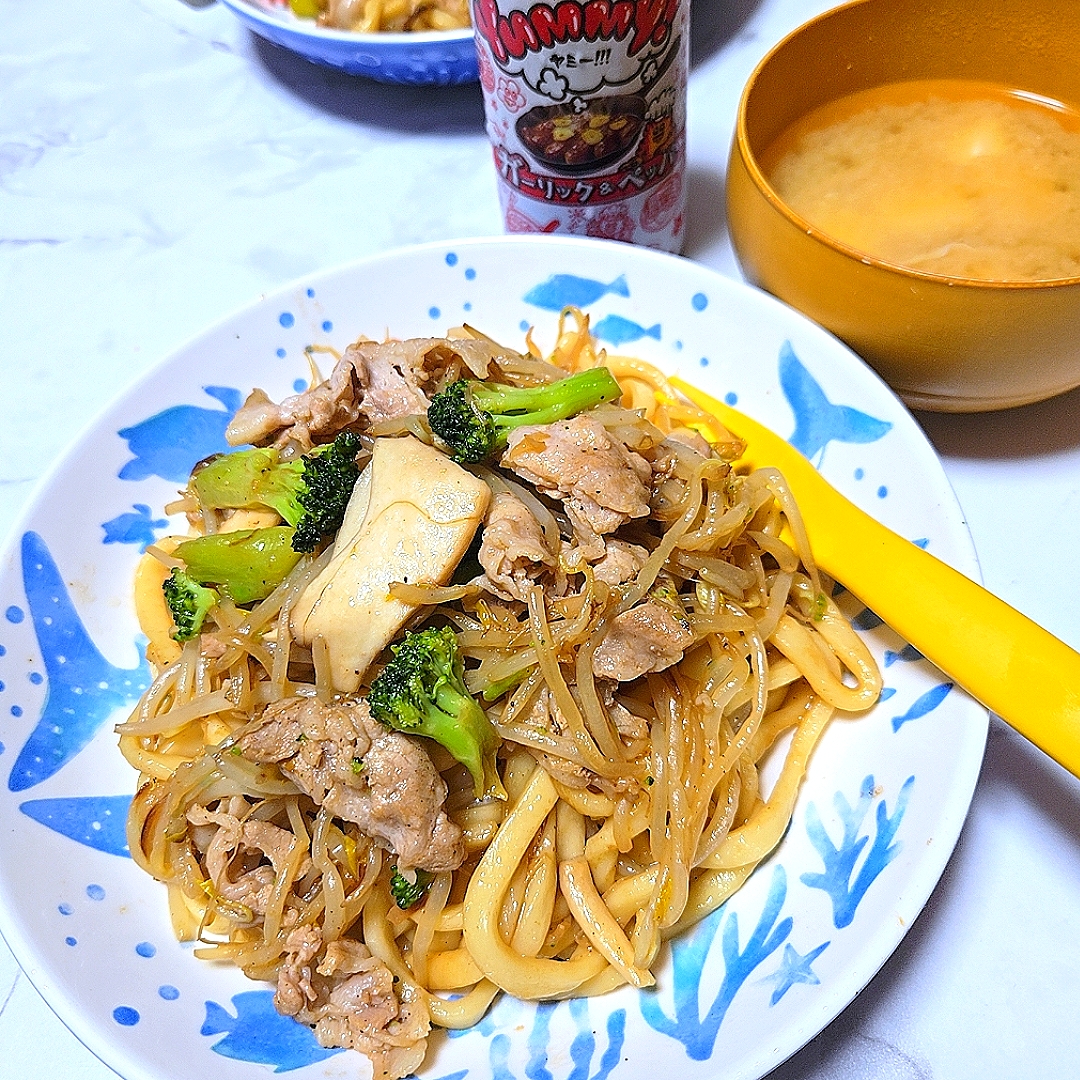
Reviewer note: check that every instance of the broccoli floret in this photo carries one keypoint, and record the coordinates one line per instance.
(246, 565)
(422, 692)
(189, 602)
(474, 418)
(328, 480)
(406, 893)
(310, 493)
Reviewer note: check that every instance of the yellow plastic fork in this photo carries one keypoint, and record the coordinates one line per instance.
(1010, 664)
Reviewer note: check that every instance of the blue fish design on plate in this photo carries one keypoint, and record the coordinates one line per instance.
(137, 526)
(616, 330)
(260, 1034)
(170, 443)
(926, 703)
(817, 420)
(73, 664)
(566, 290)
(907, 655)
(98, 821)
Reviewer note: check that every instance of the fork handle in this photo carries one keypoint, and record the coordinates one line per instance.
(1006, 661)
(1003, 659)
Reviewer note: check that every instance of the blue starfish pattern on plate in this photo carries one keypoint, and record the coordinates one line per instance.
(82, 688)
(795, 968)
(568, 290)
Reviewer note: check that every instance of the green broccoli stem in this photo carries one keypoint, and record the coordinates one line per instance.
(422, 691)
(512, 406)
(251, 478)
(494, 691)
(474, 419)
(246, 565)
(310, 493)
(467, 733)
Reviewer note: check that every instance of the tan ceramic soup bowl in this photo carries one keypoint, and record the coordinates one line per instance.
(946, 344)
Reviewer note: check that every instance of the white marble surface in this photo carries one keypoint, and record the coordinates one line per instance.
(160, 167)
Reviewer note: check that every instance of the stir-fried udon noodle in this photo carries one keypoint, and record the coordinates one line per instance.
(639, 620)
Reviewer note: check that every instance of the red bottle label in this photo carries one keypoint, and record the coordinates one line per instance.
(586, 111)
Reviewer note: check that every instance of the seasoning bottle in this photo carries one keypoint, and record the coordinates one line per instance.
(585, 103)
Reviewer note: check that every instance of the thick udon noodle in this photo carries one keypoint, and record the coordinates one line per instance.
(565, 890)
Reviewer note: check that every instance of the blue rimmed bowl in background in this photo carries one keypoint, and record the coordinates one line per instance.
(419, 58)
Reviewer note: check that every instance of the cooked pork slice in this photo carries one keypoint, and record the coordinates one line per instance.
(621, 562)
(314, 416)
(513, 549)
(402, 805)
(318, 746)
(380, 780)
(602, 483)
(647, 637)
(344, 956)
(631, 727)
(673, 461)
(239, 842)
(694, 439)
(256, 421)
(294, 987)
(352, 999)
(543, 714)
(400, 377)
(391, 374)
(372, 382)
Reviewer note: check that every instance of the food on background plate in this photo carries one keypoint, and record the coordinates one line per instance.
(499, 725)
(370, 16)
(953, 177)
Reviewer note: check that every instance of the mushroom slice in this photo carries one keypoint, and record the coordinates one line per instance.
(422, 512)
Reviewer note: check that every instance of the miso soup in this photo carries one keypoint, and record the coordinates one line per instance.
(951, 177)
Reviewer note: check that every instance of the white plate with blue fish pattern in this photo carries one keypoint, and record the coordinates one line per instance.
(877, 818)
